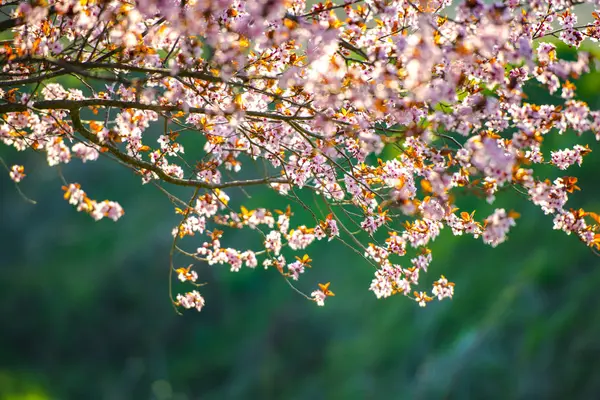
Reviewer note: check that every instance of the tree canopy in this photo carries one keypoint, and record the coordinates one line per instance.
(376, 117)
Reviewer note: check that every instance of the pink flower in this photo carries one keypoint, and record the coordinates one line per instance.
(497, 226)
(17, 173)
(443, 289)
(85, 152)
(191, 300)
(320, 295)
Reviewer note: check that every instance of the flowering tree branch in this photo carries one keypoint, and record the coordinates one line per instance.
(385, 111)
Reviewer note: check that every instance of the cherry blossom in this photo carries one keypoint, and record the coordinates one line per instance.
(17, 173)
(370, 118)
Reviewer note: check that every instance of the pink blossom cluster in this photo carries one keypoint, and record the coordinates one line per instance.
(496, 227)
(191, 299)
(563, 159)
(97, 210)
(17, 173)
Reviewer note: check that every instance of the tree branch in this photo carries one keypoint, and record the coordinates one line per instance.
(78, 126)
(78, 104)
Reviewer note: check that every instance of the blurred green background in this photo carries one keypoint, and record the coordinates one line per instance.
(85, 314)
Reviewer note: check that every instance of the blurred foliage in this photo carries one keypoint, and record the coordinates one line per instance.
(85, 312)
